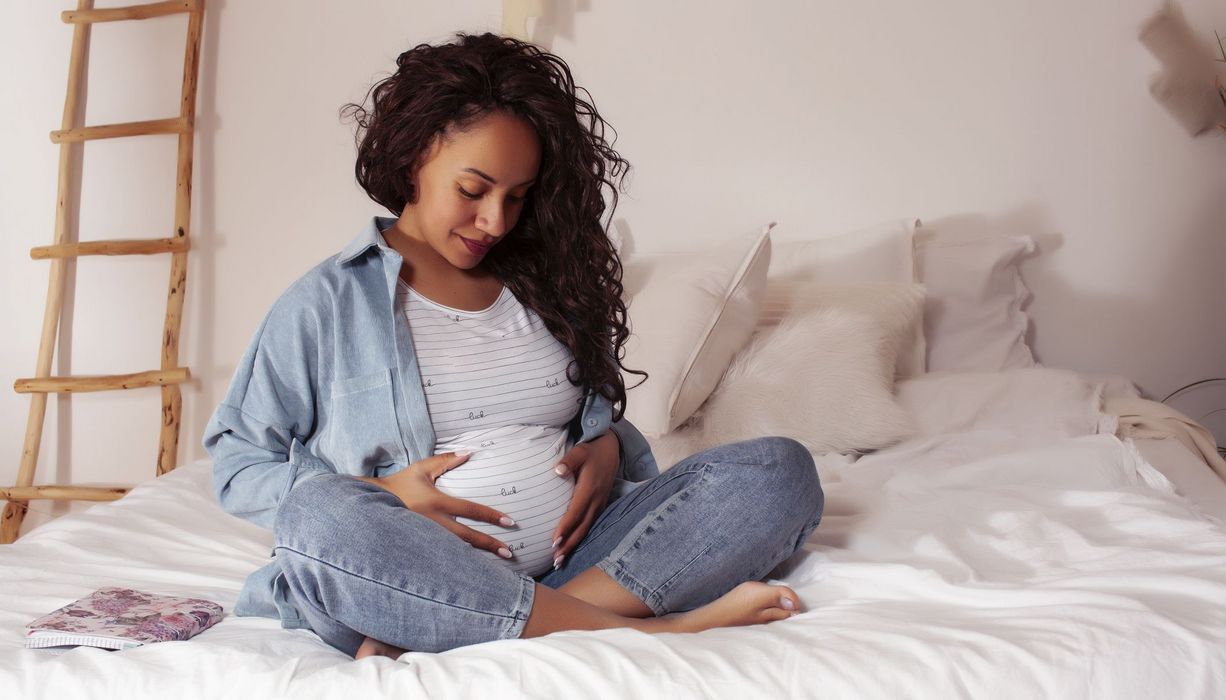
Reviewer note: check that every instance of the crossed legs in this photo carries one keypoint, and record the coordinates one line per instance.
(682, 552)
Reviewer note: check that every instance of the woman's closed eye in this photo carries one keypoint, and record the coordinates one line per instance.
(478, 195)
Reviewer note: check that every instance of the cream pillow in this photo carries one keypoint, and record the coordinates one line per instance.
(688, 316)
(973, 317)
(880, 254)
(898, 307)
(823, 378)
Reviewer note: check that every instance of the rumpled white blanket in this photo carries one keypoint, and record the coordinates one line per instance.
(1009, 551)
(1142, 418)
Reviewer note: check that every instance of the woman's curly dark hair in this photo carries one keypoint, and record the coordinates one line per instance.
(558, 260)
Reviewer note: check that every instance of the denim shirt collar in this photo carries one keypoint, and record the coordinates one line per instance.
(370, 237)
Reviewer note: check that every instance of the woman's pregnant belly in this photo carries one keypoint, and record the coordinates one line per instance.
(511, 470)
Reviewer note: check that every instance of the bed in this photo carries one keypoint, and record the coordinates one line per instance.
(991, 527)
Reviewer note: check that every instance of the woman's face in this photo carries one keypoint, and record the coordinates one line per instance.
(471, 188)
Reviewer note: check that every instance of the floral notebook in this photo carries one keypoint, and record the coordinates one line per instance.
(122, 618)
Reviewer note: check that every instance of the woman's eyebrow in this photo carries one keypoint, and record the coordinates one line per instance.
(491, 180)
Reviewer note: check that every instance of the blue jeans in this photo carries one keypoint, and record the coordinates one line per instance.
(358, 563)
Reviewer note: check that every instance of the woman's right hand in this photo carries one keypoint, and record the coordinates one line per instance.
(414, 486)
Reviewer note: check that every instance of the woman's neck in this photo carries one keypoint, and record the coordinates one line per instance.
(431, 275)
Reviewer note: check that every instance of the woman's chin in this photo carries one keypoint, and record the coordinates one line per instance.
(463, 259)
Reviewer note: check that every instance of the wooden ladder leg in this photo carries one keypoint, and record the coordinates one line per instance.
(172, 397)
(15, 510)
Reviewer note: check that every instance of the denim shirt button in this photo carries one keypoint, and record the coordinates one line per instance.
(591, 422)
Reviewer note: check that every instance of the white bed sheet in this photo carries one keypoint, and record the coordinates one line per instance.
(1010, 550)
(1188, 472)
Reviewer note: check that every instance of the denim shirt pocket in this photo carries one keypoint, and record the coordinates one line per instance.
(362, 432)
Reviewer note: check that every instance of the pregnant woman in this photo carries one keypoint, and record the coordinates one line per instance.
(430, 420)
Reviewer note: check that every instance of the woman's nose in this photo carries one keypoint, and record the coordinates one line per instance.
(492, 218)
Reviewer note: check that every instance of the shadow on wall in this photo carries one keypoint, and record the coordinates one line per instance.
(1118, 325)
(1059, 304)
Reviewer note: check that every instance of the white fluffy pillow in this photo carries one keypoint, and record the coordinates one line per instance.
(688, 316)
(973, 318)
(823, 377)
(898, 306)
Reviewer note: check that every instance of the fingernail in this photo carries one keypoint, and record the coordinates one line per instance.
(463, 453)
(504, 552)
(557, 563)
(555, 542)
(506, 522)
(787, 603)
(560, 470)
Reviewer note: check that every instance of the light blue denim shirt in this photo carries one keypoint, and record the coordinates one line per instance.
(330, 384)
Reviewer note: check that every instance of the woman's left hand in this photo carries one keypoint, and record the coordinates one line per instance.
(594, 465)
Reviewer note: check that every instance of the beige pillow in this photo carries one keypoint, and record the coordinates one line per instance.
(897, 306)
(689, 315)
(973, 317)
(878, 254)
(823, 378)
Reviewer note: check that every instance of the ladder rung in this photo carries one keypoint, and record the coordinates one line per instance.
(105, 382)
(113, 14)
(64, 493)
(176, 125)
(135, 246)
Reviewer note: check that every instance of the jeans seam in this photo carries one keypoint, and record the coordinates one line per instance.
(618, 570)
(519, 619)
(514, 615)
(693, 559)
(611, 522)
(618, 573)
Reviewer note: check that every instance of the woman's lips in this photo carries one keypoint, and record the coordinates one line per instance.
(475, 248)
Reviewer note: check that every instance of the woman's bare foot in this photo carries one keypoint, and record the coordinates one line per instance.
(750, 603)
(373, 647)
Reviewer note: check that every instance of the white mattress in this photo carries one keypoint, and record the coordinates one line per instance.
(1009, 551)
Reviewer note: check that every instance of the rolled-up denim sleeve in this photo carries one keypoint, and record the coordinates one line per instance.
(256, 436)
(638, 463)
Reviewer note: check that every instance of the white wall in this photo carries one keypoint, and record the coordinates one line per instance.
(824, 116)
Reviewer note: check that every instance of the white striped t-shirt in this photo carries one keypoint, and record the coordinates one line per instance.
(495, 383)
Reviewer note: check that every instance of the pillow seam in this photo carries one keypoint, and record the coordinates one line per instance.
(692, 360)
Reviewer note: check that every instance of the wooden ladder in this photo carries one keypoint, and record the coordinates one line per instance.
(170, 375)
